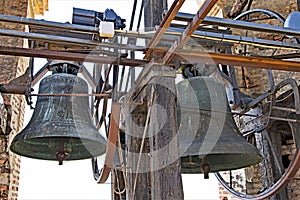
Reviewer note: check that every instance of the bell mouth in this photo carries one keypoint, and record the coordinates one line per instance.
(51, 148)
(218, 162)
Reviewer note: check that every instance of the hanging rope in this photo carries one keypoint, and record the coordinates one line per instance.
(143, 141)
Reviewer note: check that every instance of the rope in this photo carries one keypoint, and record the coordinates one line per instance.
(143, 141)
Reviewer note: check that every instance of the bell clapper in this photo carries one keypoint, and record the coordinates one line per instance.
(190, 161)
(61, 154)
(205, 167)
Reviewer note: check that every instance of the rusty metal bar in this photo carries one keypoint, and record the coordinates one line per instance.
(237, 60)
(193, 25)
(61, 55)
(111, 142)
(191, 56)
(163, 26)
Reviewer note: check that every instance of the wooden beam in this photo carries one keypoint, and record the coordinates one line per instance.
(193, 25)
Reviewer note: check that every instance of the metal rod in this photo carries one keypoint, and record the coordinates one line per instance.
(284, 119)
(236, 39)
(140, 15)
(60, 55)
(132, 15)
(69, 95)
(49, 38)
(216, 37)
(180, 16)
(236, 60)
(65, 40)
(48, 24)
(216, 21)
(284, 109)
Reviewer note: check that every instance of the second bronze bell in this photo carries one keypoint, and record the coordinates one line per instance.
(209, 138)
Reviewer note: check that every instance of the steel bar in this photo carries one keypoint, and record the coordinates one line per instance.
(70, 95)
(191, 56)
(61, 55)
(236, 39)
(48, 24)
(66, 40)
(217, 37)
(198, 18)
(49, 38)
(180, 16)
(163, 26)
(222, 22)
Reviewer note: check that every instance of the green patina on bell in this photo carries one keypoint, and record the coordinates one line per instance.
(208, 136)
(61, 127)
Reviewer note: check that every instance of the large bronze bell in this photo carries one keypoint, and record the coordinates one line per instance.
(208, 136)
(61, 127)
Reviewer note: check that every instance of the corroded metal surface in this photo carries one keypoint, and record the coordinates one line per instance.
(60, 124)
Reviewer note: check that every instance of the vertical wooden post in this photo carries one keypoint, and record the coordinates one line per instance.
(153, 158)
(164, 147)
(154, 170)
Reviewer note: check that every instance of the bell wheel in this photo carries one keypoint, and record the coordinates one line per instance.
(272, 125)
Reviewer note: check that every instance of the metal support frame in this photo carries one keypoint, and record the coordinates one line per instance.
(163, 26)
(192, 26)
(180, 37)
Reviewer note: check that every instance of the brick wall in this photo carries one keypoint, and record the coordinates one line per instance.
(12, 115)
(255, 81)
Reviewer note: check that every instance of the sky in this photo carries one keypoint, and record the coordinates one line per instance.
(73, 180)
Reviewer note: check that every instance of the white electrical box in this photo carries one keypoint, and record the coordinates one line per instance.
(106, 29)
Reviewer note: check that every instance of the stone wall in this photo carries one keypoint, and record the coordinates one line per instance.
(12, 114)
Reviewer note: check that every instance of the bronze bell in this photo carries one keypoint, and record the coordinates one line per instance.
(61, 127)
(209, 139)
